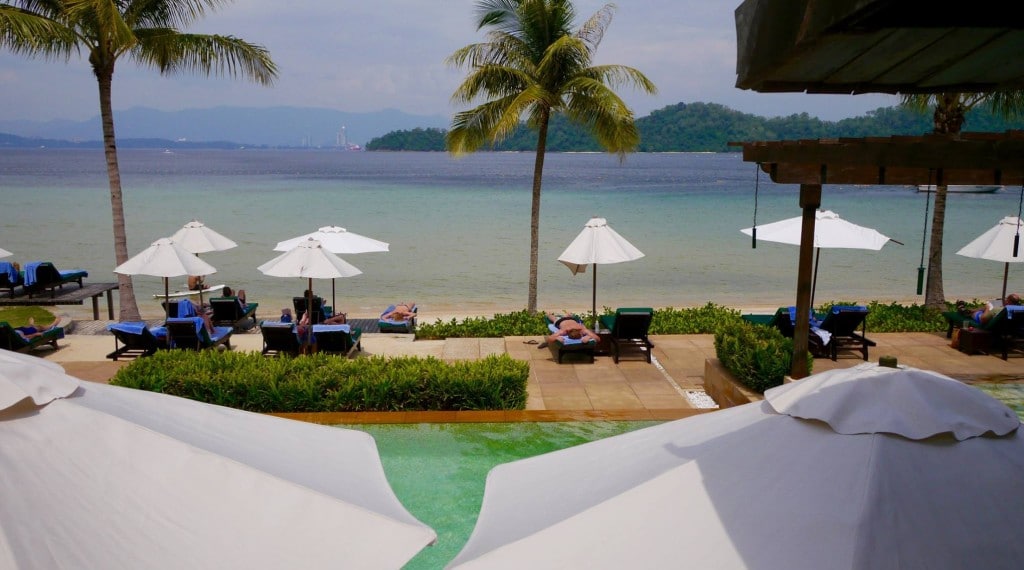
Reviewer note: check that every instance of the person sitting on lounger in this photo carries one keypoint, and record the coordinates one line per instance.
(228, 292)
(31, 331)
(984, 313)
(568, 327)
(401, 312)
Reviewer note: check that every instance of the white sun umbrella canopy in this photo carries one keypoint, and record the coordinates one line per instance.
(165, 258)
(337, 240)
(309, 259)
(99, 476)
(999, 243)
(597, 244)
(5, 253)
(830, 232)
(867, 467)
(197, 237)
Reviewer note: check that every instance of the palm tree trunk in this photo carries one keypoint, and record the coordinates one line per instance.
(538, 172)
(935, 296)
(126, 293)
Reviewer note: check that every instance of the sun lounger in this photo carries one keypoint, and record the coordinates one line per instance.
(10, 277)
(629, 327)
(134, 340)
(319, 313)
(574, 348)
(12, 340)
(42, 276)
(228, 311)
(1006, 328)
(191, 334)
(279, 338)
(397, 326)
(337, 339)
(842, 323)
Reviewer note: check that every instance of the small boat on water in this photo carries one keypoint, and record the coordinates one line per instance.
(189, 292)
(961, 188)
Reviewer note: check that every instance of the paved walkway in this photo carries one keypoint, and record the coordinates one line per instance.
(670, 388)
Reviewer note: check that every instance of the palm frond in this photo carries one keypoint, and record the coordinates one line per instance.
(592, 31)
(491, 81)
(172, 52)
(33, 33)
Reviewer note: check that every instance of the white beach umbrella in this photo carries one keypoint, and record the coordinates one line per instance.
(4, 252)
(830, 232)
(309, 259)
(98, 476)
(597, 244)
(337, 240)
(165, 258)
(867, 467)
(999, 243)
(197, 238)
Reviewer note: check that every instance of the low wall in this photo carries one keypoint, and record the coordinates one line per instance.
(723, 387)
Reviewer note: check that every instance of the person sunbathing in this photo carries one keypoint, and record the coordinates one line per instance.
(401, 312)
(984, 313)
(31, 331)
(568, 327)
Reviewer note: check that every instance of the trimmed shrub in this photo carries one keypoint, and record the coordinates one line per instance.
(758, 356)
(327, 383)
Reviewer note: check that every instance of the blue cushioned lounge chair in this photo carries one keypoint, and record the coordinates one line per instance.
(573, 348)
(134, 340)
(41, 276)
(191, 334)
(397, 326)
(337, 339)
(12, 340)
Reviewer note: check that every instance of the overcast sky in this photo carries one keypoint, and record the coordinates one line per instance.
(389, 54)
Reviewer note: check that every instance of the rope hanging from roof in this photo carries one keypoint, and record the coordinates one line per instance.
(1016, 237)
(924, 233)
(757, 182)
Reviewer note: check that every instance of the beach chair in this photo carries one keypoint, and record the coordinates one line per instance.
(134, 340)
(41, 276)
(842, 323)
(10, 277)
(629, 328)
(337, 339)
(279, 338)
(318, 316)
(572, 348)
(397, 326)
(228, 311)
(1006, 328)
(191, 334)
(12, 340)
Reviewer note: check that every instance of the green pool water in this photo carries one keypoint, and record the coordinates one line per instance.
(1010, 393)
(438, 470)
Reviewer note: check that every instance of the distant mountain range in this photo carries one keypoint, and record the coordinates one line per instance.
(272, 126)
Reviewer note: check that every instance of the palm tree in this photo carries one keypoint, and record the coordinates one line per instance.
(534, 64)
(145, 31)
(950, 112)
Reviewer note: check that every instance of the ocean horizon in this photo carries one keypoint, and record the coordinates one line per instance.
(458, 228)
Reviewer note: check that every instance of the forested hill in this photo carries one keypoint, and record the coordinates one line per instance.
(696, 127)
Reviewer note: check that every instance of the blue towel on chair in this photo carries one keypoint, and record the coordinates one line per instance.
(792, 318)
(1014, 310)
(134, 327)
(30, 271)
(836, 309)
(186, 309)
(8, 268)
(197, 321)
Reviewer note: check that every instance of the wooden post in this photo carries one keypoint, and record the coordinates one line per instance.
(810, 200)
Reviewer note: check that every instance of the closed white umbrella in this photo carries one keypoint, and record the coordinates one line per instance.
(309, 259)
(337, 240)
(98, 476)
(197, 237)
(999, 243)
(165, 258)
(867, 467)
(597, 244)
(830, 232)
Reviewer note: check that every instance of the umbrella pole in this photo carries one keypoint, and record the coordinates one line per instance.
(594, 299)
(1006, 275)
(814, 281)
(309, 316)
(167, 300)
(334, 298)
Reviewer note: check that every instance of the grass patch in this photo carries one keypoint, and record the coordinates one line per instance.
(19, 316)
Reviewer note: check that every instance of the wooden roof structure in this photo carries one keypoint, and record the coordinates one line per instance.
(879, 46)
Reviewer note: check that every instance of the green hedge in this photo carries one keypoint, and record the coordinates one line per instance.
(758, 356)
(326, 383)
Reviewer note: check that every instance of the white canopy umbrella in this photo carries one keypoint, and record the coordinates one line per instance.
(309, 259)
(4, 252)
(197, 237)
(830, 232)
(165, 258)
(98, 476)
(597, 244)
(999, 243)
(337, 240)
(868, 467)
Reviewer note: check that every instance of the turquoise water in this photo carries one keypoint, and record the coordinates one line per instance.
(1009, 393)
(438, 470)
(459, 228)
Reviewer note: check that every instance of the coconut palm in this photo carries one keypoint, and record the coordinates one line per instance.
(534, 64)
(144, 31)
(950, 113)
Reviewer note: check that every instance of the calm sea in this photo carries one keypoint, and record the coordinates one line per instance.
(459, 228)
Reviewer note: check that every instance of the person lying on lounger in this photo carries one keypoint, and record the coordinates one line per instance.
(31, 331)
(984, 313)
(401, 312)
(568, 327)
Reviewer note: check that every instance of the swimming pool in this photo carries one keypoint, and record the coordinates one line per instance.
(438, 470)
(1009, 393)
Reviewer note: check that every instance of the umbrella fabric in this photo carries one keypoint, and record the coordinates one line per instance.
(165, 258)
(4, 252)
(336, 240)
(309, 259)
(196, 237)
(996, 244)
(893, 468)
(830, 232)
(597, 244)
(98, 476)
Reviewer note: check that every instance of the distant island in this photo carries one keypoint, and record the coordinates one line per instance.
(683, 127)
